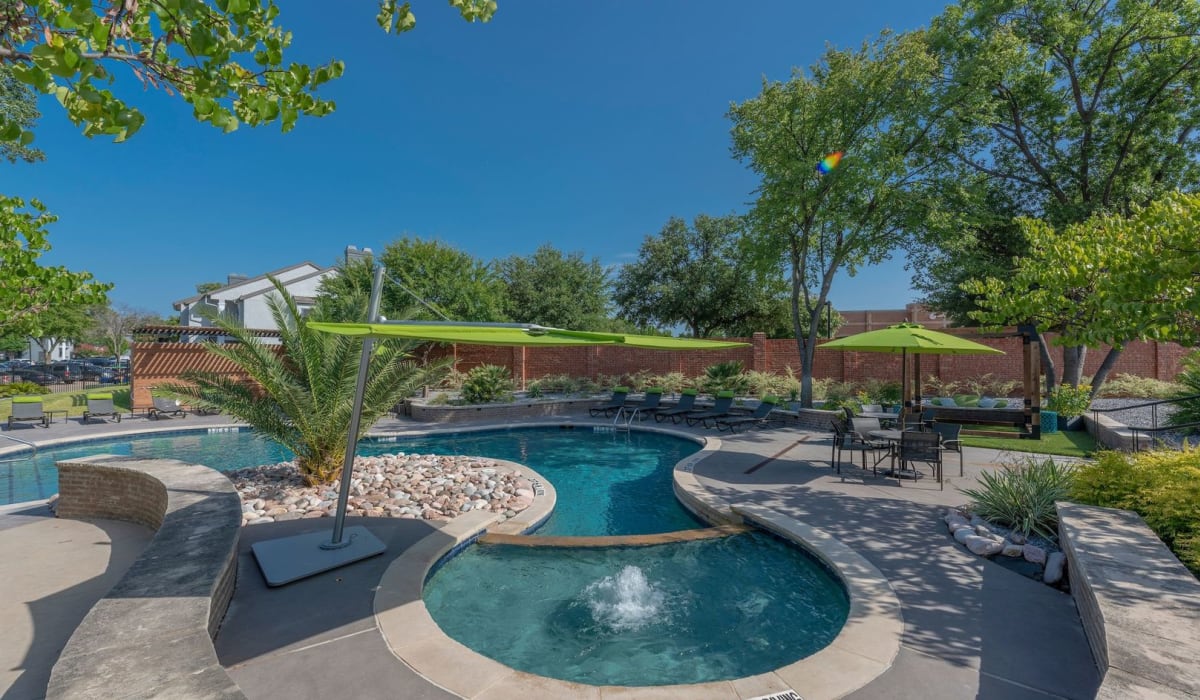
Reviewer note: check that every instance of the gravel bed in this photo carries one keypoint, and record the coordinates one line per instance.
(1143, 417)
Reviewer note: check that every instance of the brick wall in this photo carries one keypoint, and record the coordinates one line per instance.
(114, 493)
(154, 363)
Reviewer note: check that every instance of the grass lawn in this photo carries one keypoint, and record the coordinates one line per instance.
(73, 403)
(1070, 443)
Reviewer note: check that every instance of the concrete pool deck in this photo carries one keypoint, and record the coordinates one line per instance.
(971, 628)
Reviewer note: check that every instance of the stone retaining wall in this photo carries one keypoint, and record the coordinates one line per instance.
(427, 413)
(1139, 605)
(1114, 434)
(152, 634)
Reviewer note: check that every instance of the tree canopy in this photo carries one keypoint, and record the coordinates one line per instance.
(227, 58)
(870, 104)
(27, 289)
(554, 289)
(700, 276)
(18, 106)
(1109, 280)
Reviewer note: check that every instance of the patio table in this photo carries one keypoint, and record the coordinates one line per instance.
(893, 438)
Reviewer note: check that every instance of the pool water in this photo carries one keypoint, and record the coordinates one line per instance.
(608, 483)
(688, 612)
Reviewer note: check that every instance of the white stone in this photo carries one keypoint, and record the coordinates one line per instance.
(956, 522)
(1055, 563)
(983, 531)
(1034, 554)
(1016, 537)
(963, 533)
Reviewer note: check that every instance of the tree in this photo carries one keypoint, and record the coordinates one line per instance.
(206, 287)
(553, 289)
(1109, 280)
(18, 106)
(449, 280)
(225, 57)
(699, 276)
(111, 327)
(305, 391)
(1073, 109)
(871, 104)
(28, 290)
(62, 324)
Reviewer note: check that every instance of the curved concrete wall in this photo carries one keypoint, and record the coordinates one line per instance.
(151, 636)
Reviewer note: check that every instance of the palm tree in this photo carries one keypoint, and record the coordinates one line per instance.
(302, 392)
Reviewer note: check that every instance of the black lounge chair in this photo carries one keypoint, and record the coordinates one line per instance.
(760, 417)
(686, 404)
(28, 408)
(951, 440)
(846, 439)
(918, 446)
(649, 405)
(615, 403)
(100, 404)
(720, 409)
(165, 407)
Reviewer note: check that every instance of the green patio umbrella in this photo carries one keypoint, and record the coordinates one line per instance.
(905, 339)
(520, 334)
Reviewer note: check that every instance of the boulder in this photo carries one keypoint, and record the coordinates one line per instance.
(963, 533)
(983, 546)
(983, 531)
(1016, 537)
(956, 523)
(1055, 563)
(1034, 554)
(1012, 549)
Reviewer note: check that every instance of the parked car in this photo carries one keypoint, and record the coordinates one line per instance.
(74, 371)
(25, 374)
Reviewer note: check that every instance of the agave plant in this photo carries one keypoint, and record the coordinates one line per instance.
(302, 392)
(1023, 498)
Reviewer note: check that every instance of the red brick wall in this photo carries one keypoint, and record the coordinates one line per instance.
(157, 362)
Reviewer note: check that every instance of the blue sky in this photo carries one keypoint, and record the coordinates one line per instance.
(582, 124)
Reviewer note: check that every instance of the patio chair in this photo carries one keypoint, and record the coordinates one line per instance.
(921, 447)
(100, 404)
(651, 403)
(721, 408)
(760, 417)
(872, 408)
(165, 407)
(685, 405)
(861, 427)
(951, 440)
(614, 404)
(28, 408)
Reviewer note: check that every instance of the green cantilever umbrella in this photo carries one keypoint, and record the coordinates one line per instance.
(907, 339)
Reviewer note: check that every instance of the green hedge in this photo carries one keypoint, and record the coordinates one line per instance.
(20, 388)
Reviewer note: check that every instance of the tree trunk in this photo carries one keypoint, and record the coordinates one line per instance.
(1102, 371)
(1073, 359)
(1047, 363)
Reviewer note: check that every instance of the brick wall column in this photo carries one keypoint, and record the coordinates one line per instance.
(759, 343)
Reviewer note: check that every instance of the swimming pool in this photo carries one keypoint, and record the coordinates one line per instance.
(608, 483)
(690, 612)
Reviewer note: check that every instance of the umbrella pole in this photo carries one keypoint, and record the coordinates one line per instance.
(287, 559)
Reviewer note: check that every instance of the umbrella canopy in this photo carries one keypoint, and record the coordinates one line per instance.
(905, 339)
(910, 338)
(526, 335)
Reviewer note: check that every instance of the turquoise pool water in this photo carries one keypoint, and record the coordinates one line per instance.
(609, 483)
(675, 613)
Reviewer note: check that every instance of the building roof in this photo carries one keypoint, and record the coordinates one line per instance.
(301, 278)
(199, 330)
(178, 305)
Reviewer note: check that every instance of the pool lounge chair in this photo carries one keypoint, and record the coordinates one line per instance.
(720, 409)
(165, 407)
(614, 404)
(100, 404)
(685, 405)
(648, 406)
(28, 408)
(760, 417)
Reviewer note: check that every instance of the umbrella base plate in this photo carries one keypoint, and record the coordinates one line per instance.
(287, 559)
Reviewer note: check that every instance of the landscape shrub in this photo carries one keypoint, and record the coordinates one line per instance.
(1162, 486)
(839, 395)
(934, 386)
(764, 383)
(1131, 386)
(1189, 379)
(488, 383)
(1022, 497)
(453, 380)
(22, 389)
(670, 383)
(882, 391)
(832, 389)
(1070, 401)
(638, 381)
(988, 385)
(726, 376)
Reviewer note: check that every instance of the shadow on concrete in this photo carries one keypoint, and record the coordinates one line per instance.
(1010, 634)
(317, 637)
(55, 616)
